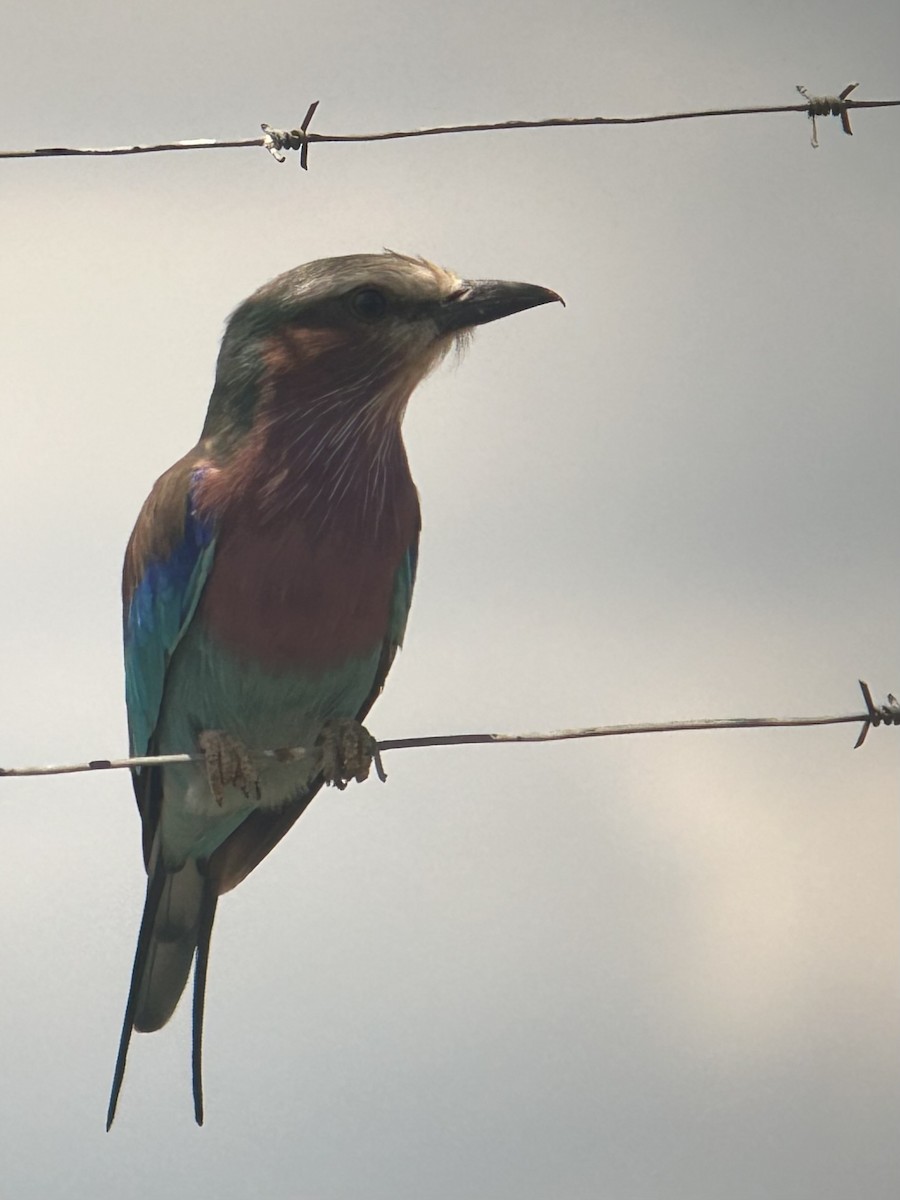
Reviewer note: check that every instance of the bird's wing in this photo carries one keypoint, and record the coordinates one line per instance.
(167, 563)
(404, 582)
(263, 829)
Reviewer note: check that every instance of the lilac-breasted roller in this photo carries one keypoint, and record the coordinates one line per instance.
(267, 583)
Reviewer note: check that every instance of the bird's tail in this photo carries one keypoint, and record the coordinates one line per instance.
(179, 911)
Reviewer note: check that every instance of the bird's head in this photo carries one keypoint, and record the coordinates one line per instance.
(347, 334)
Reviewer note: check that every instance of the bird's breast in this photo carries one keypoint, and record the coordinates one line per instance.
(290, 596)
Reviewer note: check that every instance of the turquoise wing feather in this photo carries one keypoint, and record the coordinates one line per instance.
(404, 582)
(163, 600)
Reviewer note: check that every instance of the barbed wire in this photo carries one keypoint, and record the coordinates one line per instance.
(875, 715)
(278, 141)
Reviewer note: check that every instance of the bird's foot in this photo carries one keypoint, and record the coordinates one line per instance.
(346, 751)
(228, 764)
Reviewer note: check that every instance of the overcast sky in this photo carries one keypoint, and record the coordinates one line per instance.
(641, 968)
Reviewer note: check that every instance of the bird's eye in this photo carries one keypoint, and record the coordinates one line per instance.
(368, 304)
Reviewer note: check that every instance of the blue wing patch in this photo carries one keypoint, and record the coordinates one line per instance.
(160, 611)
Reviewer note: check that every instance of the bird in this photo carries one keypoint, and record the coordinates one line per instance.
(266, 587)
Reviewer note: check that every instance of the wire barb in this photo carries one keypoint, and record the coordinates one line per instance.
(276, 140)
(884, 714)
(828, 106)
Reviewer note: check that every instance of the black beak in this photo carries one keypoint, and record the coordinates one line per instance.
(478, 301)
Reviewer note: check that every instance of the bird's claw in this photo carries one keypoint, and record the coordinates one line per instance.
(346, 751)
(228, 764)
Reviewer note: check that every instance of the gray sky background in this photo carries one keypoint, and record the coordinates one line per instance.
(638, 969)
